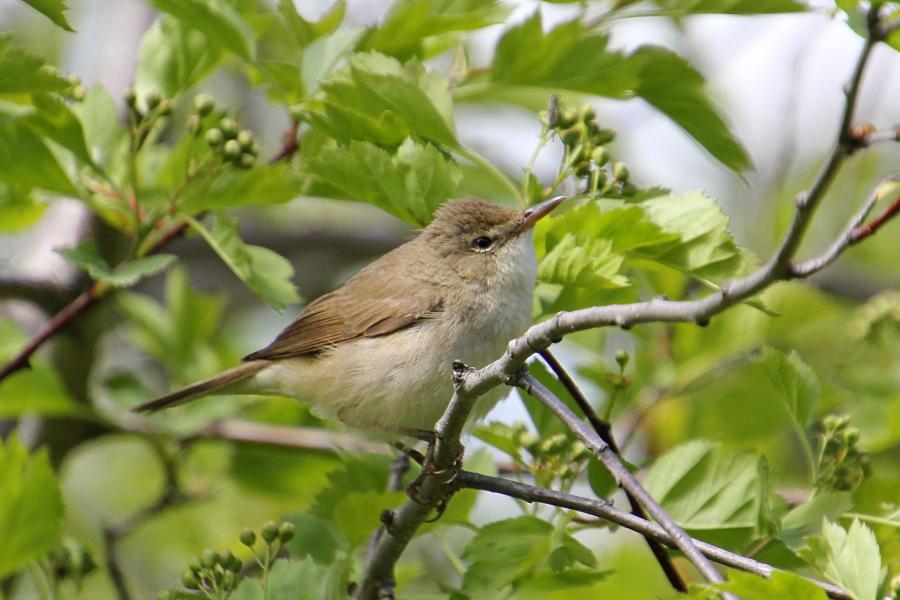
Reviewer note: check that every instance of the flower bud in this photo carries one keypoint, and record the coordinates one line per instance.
(152, 99)
(586, 113)
(193, 123)
(49, 70)
(229, 128)
(568, 117)
(620, 172)
(600, 156)
(232, 149)
(269, 532)
(285, 531)
(78, 93)
(245, 139)
(204, 104)
(603, 136)
(190, 581)
(622, 359)
(229, 580)
(246, 160)
(248, 538)
(165, 107)
(73, 79)
(214, 138)
(570, 137)
(209, 559)
(130, 97)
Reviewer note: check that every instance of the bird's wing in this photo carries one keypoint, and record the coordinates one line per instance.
(360, 308)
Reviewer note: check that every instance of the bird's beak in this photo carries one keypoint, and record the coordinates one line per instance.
(536, 213)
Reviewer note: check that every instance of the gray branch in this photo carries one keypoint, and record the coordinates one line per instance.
(606, 511)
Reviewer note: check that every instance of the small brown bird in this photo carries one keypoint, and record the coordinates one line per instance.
(376, 353)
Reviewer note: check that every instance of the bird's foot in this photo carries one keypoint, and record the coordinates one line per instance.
(445, 477)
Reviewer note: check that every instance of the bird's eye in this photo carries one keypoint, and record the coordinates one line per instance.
(482, 242)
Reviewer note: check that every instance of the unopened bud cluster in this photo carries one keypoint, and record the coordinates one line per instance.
(843, 466)
(557, 456)
(221, 133)
(75, 90)
(585, 142)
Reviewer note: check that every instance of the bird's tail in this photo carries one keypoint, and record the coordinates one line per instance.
(205, 386)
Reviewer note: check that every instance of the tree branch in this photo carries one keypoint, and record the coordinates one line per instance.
(606, 511)
(623, 476)
(300, 438)
(604, 430)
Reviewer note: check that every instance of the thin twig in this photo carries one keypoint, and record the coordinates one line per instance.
(300, 438)
(604, 430)
(868, 229)
(623, 476)
(606, 511)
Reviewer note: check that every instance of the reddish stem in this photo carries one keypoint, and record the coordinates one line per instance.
(867, 229)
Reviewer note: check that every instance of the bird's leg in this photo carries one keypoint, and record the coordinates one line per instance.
(446, 476)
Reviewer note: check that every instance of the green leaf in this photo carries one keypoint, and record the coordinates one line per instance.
(56, 121)
(26, 161)
(502, 552)
(383, 101)
(324, 54)
(357, 515)
(31, 507)
(733, 7)
(265, 272)
(296, 580)
(127, 274)
(218, 21)
(410, 183)
(850, 558)
(779, 585)
(503, 437)
(703, 486)
(303, 31)
(18, 208)
(675, 88)
(260, 186)
(569, 552)
(796, 383)
(358, 473)
(579, 261)
(174, 56)
(706, 249)
(104, 136)
(405, 28)
(52, 9)
(602, 483)
(21, 72)
(568, 57)
(806, 519)
(313, 537)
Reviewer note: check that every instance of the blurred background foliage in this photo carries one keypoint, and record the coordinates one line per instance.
(170, 113)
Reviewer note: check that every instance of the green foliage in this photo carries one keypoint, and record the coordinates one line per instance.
(779, 585)
(88, 258)
(218, 21)
(22, 72)
(55, 10)
(849, 558)
(30, 494)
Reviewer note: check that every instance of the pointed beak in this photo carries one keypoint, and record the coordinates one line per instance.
(536, 213)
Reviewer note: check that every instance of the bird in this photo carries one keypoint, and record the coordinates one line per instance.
(377, 352)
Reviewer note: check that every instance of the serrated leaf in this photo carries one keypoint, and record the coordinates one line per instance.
(850, 558)
(55, 120)
(676, 89)
(358, 514)
(21, 72)
(313, 537)
(501, 436)
(173, 57)
(806, 519)
(29, 494)
(265, 272)
(580, 261)
(357, 473)
(296, 580)
(26, 161)
(778, 585)
(569, 57)
(504, 551)
(304, 32)
(260, 186)
(88, 258)
(380, 100)
(676, 8)
(218, 21)
(409, 22)
(104, 135)
(55, 10)
(324, 54)
(796, 383)
(703, 486)
(410, 184)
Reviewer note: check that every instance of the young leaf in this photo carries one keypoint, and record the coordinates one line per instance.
(21, 72)
(313, 537)
(29, 494)
(261, 185)
(568, 57)
(104, 135)
(218, 21)
(797, 385)
(55, 120)
(850, 558)
(88, 258)
(26, 161)
(296, 580)
(806, 519)
(324, 54)
(703, 486)
(779, 585)
(303, 31)
(409, 184)
(505, 551)
(54, 10)
(411, 21)
(265, 272)
(383, 101)
(18, 208)
(579, 261)
(357, 515)
(173, 57)
(676, 89)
